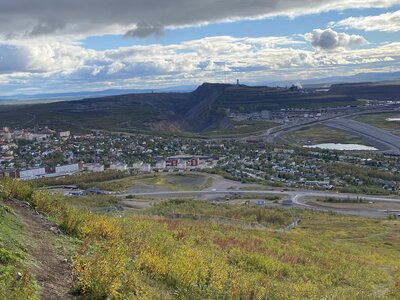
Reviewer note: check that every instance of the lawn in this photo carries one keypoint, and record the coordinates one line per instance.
(161, 181)
(380, 120)
(319, 134)
(241, 128)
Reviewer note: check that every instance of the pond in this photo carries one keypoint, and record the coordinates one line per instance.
(342, 147)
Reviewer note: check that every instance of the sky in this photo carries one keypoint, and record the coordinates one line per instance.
(86, 45)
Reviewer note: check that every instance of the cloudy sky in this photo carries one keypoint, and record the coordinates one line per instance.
(81, 45)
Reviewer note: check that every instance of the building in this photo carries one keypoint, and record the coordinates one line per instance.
(137, 165)
(145, 168)
(118, 166)
(161, 165)
(32, 173)
(8, 173)
(182, 165)
(194, 162)
(95, 167)
(67, 169)
(64, 134)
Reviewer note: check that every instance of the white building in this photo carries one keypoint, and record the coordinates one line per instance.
(118, 166)
(66, 169)
(145, 168)
(182, 165)
(95, 167)
(137, 165)
(161, 165)
(30, 174)
(64, 134)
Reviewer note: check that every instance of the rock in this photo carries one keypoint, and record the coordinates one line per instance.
(55, 230)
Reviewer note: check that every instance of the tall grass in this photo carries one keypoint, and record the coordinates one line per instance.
(151, 257)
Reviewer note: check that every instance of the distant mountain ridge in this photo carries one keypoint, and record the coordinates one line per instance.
(328, 81)
(205, 107)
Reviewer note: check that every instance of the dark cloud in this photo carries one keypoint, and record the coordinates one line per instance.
(47, 26)
(141, 18)
(144, 29)
(331, 40)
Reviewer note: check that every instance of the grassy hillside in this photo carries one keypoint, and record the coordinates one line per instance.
(368, 90)
(203, 108)
(16, 281)
(149, 256)
(250, 99)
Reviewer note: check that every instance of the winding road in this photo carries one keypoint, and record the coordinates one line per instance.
(298, 198)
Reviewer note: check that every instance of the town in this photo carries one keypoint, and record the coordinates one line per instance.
(35, 153)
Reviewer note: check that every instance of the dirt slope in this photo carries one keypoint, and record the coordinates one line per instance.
(53, 273)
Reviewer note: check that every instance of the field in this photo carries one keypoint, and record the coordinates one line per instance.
(379, 120)
(156, 182)
(116, 181)
(319, 134)
(362, 205)
(250, 99)
(241, 128)
(150, 256)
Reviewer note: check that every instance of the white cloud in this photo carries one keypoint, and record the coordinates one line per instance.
(389, 22)
(75, 19)
(331, 40)
(72, 67)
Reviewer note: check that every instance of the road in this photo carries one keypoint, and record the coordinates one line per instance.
(383, 139)
(298, 198)
(380, 138)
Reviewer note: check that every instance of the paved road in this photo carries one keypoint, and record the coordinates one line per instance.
(380, 138)
(383, 139)
(298, 198)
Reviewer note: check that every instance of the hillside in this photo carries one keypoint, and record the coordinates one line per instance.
(149, 255)
(194, 112)
(368, 90)
(250, 99)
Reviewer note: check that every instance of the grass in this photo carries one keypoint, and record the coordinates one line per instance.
(379, 120)
(92, 201)
(264, 216)
(362, 204)
(14, 259)
(170, 182)
(151, 257)
(312, 135)
(82, 180)
(241, 128)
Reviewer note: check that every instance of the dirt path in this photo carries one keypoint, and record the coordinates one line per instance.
(52, 271)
